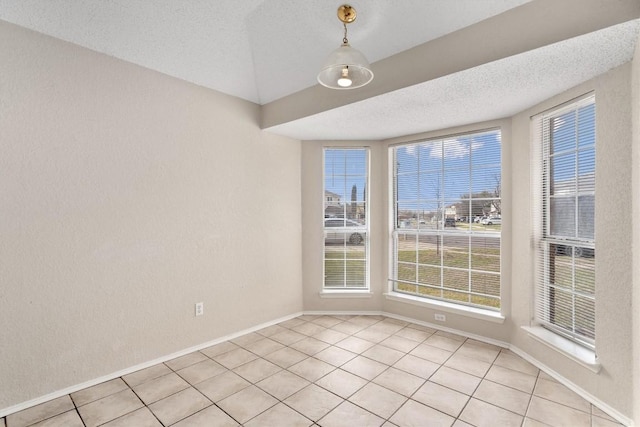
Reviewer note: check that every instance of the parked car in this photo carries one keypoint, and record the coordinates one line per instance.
(492, 220)
(577, 250)
(341, 229)
(449, 222)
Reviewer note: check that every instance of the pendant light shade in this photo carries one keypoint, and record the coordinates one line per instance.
(346, 67)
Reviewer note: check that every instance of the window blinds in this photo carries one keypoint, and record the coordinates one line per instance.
(564, 218)
(447, 219)
(346, 253)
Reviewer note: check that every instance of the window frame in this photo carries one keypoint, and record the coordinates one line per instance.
(548, 242)
(348, 228)
(474, 310)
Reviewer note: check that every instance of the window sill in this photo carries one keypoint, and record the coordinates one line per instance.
(576, 352)
(476, 313)
(345, 293)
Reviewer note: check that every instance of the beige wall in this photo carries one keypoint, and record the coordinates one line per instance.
(128, 196)
(635, 109)
(614, 261)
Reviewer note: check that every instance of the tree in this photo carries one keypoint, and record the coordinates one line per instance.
(364, 202)
(354, 204)
(496, 193)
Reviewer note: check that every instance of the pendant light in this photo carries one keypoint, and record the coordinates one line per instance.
(346, 67)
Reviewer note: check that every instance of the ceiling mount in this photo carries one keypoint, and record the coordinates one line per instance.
(346, 14)
(346, 67)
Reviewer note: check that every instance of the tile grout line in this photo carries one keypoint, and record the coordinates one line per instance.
(427, 379)
(476, 388)
(75, 407)
(531, 397)
(484, 378)
(193, 386)
(333, 370)
(441, 365)
(139, 398)
(371, 322)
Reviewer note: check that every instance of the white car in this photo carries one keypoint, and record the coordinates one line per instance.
(492, 220)
(337, 230)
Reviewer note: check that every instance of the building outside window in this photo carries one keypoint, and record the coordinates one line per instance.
(346, 225)
(448, 219)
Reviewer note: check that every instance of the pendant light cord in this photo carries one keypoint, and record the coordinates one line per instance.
(344, 39)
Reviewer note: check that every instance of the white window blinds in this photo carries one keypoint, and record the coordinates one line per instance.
(346, 229)
(564, 220)
(448, 219)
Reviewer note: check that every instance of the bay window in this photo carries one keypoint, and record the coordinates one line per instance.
(448, 218)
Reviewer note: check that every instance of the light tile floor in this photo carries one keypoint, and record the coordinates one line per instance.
(329, 371)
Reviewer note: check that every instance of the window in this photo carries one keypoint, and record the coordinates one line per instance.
(346, 230)
(447, 219)
(564, 202)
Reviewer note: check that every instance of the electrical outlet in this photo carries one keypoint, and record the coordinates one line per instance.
(440, 317)
(199, 308)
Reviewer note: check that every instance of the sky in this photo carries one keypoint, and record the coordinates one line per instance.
(564, 129)
(438, 172)
(344, 168)
(448, 168)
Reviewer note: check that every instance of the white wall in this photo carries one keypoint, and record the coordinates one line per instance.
(127, 196)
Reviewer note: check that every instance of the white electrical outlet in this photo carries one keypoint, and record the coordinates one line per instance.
(440, 317)
(199, 308)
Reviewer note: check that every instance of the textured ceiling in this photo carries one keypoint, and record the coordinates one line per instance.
(487, 92)
(269, 50)
(258, 50)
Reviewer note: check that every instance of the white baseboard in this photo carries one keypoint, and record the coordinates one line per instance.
(581, 392)
(571, 386)
(343, 313)
(59, 393)
(451, 330)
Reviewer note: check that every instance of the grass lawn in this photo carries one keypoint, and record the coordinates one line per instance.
(427, 271)
(574, 286)
(345, 268)
(444, 273)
